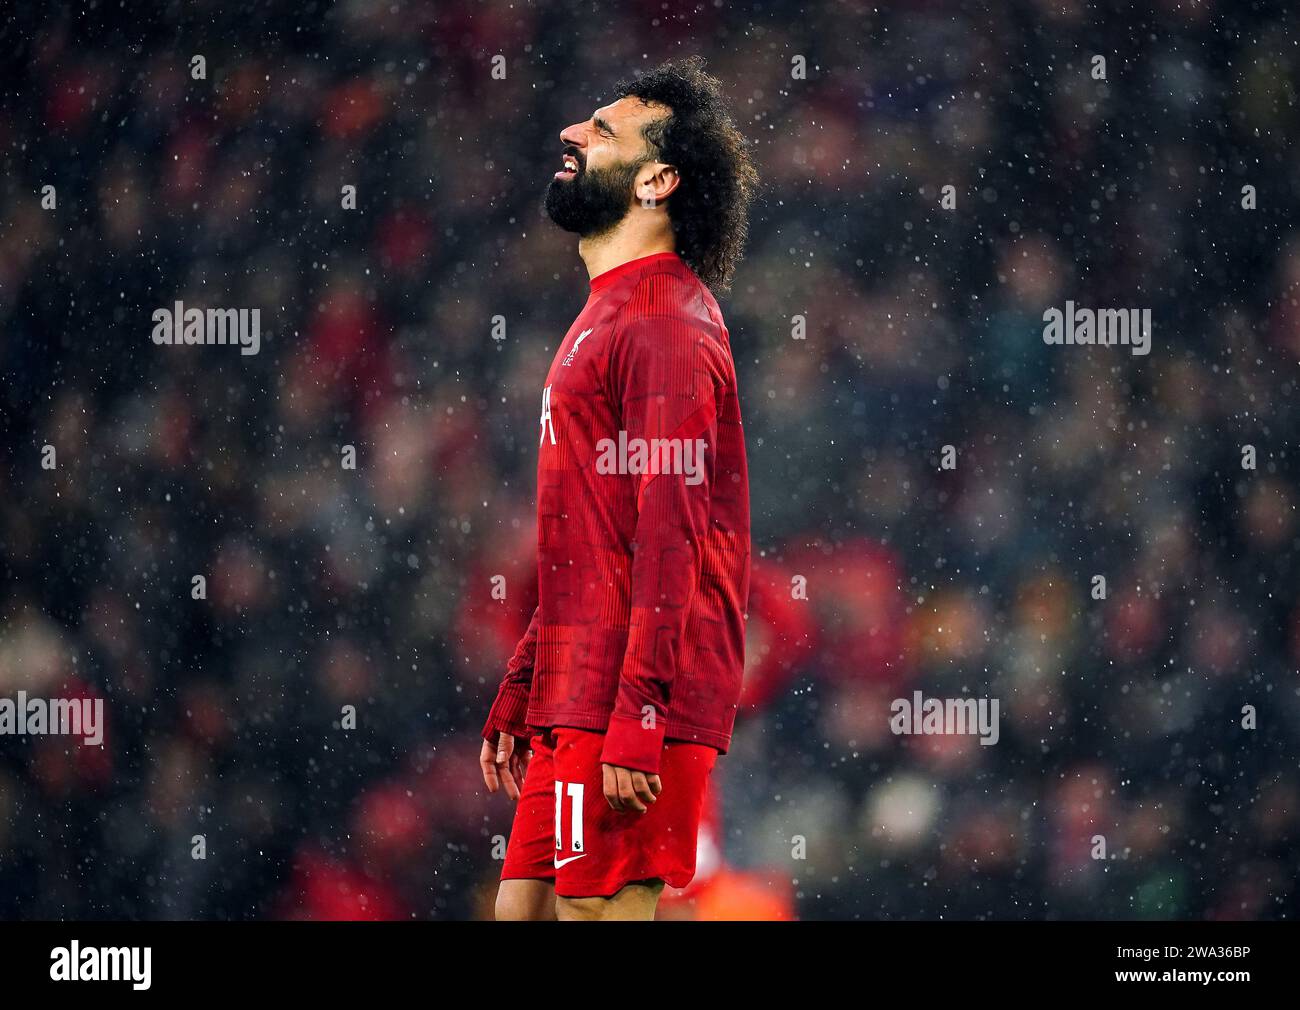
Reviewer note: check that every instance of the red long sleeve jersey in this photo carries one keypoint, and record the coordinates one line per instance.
(642, 525)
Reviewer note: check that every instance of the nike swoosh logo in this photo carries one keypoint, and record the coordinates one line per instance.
(566, 862)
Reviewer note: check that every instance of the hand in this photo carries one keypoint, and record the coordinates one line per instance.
(627, 790)
(504, 766)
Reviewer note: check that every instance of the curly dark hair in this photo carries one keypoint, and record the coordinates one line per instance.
(709, 210)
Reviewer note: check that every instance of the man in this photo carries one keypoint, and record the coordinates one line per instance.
(630, 670)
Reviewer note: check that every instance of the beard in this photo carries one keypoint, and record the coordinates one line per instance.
(593, 201)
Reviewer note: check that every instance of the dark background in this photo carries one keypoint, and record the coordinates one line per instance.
(1120, 717)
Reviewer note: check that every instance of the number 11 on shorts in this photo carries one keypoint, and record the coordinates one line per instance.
(574, 791)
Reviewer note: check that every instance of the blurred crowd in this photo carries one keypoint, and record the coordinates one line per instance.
(1122, 717)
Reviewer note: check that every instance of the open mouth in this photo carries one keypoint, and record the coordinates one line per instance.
(570, 168)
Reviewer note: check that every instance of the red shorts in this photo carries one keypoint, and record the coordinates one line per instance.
(565, 831)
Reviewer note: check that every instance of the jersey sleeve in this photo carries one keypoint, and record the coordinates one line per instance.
(509, 712)
(663, 375)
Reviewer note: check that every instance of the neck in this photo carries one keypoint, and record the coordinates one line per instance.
(622, 243)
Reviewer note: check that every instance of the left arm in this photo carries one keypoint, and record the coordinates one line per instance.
(663, 373)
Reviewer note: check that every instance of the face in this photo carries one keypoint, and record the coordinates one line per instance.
(602, 159)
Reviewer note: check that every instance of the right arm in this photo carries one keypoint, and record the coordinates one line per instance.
(502, 765)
